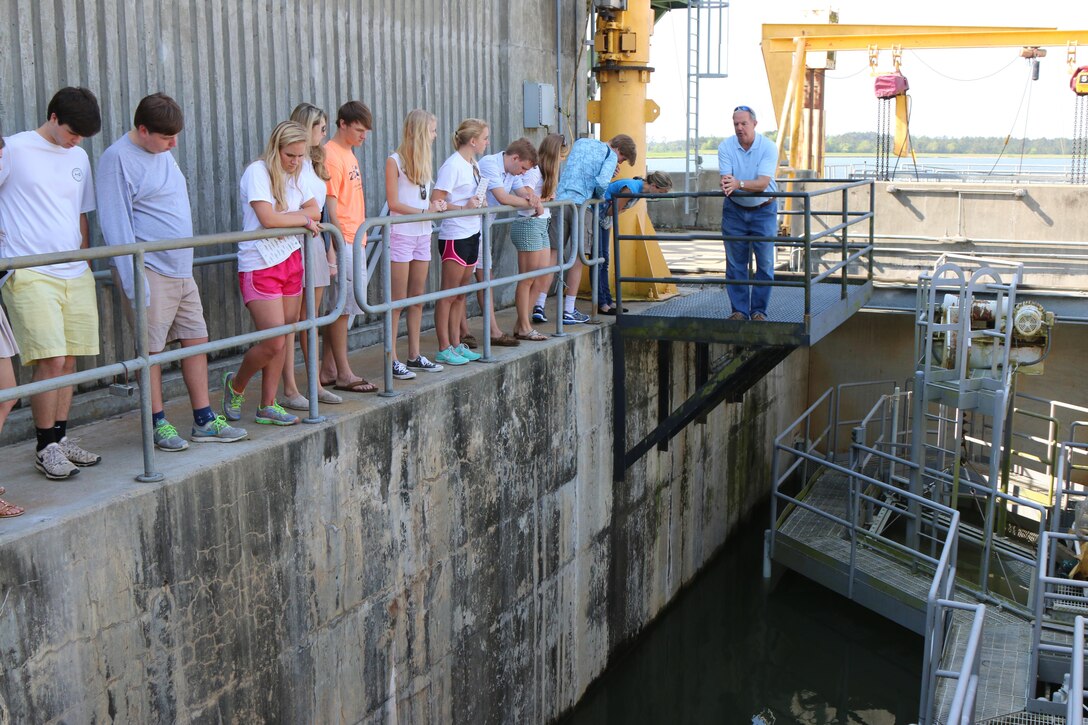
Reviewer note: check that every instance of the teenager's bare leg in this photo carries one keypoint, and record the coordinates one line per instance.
(7, 380)
(194, 371)
(417, 284)
(447, 325)
(398, 282)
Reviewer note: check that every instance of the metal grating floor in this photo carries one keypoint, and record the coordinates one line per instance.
(1025, 718)
(1003, 671)
(787, 304)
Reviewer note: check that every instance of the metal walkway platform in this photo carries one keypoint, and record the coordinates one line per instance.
(703, 316)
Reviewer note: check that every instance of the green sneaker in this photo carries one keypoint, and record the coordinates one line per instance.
(167, 438)
(449, 356)
(232, 401)
(217, 430)
(467, 354)
(275, 415)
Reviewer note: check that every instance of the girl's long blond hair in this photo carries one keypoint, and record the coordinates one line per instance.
(285, 134)
(548, 155)
(415, 152)
(308, 115)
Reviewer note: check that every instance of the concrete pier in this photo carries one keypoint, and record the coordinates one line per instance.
(455, 554)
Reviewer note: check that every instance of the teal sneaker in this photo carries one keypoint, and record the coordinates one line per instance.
(217, 430)
(167, 438)
(275, 415)
(232, 401)
(449, 356)
(467, 354)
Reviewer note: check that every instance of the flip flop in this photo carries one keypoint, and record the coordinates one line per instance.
(359, 386)
(531, 336)
(10, 510)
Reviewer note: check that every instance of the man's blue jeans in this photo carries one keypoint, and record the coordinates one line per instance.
(743, 221)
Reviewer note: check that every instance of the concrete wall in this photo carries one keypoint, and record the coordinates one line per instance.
(457, 556)
(238, 67)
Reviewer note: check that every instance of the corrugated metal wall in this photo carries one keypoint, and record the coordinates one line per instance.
(238, 67)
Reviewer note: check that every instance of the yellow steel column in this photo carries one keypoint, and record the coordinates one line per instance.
(622, 43)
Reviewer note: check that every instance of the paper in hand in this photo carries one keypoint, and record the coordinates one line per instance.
(481, 190)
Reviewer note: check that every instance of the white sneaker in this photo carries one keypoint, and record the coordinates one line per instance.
(53, 463)
(77, 455)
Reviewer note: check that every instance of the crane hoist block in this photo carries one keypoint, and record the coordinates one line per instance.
(1079, 81)
(890, 85)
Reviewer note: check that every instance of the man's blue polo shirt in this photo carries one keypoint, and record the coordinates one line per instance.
(759, 160)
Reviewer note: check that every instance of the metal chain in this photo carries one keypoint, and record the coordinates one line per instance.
(1079, 166)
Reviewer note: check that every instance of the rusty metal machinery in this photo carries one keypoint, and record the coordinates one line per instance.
(1031, 329)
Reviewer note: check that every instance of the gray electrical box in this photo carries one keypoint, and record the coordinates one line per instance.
(539, 102)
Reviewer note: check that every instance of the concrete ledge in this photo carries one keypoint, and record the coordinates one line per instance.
(456, 554)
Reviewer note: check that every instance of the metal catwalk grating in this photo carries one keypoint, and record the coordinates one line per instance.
(1003, 672)
(787, 304)
(1025, 718)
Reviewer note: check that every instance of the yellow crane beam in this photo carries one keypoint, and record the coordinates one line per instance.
(786, 46)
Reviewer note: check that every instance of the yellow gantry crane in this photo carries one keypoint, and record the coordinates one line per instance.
(797, 89)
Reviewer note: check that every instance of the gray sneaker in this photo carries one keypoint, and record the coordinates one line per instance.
(52, 462)
(77, 455)
(217, 430)
(275, 415)
(167, 438)
(232, 401)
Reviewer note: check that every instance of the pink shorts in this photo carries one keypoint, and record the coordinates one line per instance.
(282, 280)
(409, 247)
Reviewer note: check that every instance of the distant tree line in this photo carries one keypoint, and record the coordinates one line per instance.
(864, 142)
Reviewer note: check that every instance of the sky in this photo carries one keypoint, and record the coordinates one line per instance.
(973, 92)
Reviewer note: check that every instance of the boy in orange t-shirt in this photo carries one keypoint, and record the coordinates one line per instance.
(346, 208)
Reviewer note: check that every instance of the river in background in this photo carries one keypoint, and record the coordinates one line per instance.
(730, 648)
(949, 164)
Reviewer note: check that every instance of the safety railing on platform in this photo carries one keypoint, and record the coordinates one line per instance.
(937, 528)
(1057, 634)
(144, 360)
(961, 707)
(565, 260)
(850, 253)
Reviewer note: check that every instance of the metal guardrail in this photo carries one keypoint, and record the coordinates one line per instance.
(1056, 591)
(144, 360)
(808, 460)
(385, 308)
(961, 709)
(850, 252)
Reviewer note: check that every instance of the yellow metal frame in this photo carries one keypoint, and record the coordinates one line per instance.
(785, 47)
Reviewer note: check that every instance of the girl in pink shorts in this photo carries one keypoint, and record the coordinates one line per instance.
(270, 270)
(407, 191)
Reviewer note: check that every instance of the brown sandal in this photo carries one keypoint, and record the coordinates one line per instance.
(359, 386)
(505, 340)
(10, 510)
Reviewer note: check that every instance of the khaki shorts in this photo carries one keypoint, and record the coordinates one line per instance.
(175, 312)
(50, 316)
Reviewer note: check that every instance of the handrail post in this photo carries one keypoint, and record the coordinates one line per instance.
(314, 415)
(147, 430)
(808, 258)
(389, 335)
(485, 250)
(595, 270)
(845, 242)
(872, 227)
(561, 260)
(615, 262)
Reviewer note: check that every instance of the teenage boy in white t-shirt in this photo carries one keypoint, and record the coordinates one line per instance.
(45, 194)
(143, 197)
(500, 170)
